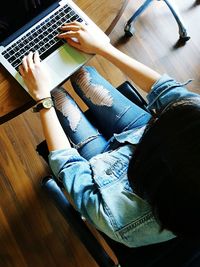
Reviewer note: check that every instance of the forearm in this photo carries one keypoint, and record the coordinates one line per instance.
(91, 43)
(53, 131)
(141, 75)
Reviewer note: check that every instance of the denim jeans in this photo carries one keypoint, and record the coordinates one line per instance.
(111, 112)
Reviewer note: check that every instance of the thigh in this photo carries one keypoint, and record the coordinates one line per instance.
(81, 133)
(112, 111)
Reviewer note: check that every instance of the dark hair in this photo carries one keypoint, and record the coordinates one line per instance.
(165, 169)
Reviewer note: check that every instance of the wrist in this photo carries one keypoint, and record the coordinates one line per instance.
(106, 49)
(47, 110)
(41, 99)
(40, 95)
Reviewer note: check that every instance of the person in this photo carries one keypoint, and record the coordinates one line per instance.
(133, 176)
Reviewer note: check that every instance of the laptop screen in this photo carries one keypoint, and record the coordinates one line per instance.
(14, 14)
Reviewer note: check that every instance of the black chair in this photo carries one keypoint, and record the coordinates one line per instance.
(129, 29)
(177, 252)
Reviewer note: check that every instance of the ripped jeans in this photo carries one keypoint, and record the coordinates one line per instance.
(111, 112)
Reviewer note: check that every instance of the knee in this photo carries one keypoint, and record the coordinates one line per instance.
(91, 88)
(60, 97)
(67, 107)
(82, 76)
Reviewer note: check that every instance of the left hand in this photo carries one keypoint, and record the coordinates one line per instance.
(35, 76)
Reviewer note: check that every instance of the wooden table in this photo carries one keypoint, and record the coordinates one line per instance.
(13, 98)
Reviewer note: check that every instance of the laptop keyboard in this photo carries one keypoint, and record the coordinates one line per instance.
(42, 38)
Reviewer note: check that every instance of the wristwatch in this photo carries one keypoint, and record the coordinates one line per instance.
(46, 103)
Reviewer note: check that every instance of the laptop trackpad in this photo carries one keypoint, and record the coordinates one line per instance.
(63, 62)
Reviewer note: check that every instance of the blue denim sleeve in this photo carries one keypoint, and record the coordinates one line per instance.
(75, 173)
(165, 91)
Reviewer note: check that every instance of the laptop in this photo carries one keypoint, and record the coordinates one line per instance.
(30, 25)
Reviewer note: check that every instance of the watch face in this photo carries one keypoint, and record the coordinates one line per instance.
(47, 103)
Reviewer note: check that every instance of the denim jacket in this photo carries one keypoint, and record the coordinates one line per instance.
(99, 187)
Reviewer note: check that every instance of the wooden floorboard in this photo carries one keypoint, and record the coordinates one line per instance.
(32, 232)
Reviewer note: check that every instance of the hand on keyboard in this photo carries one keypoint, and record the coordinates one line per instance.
(87, 38)
(35, 76)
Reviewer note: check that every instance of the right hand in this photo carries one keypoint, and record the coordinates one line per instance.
(84, 37)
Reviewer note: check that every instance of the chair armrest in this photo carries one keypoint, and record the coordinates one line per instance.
(129, 91)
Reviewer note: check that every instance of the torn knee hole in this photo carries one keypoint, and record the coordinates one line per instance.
(96, 93)
(67, 107)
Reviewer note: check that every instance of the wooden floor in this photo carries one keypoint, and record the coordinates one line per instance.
(32, 232)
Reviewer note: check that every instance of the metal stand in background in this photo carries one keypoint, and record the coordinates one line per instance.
(129, 29)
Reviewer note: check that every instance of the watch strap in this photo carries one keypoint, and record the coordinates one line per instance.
(40, 105)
